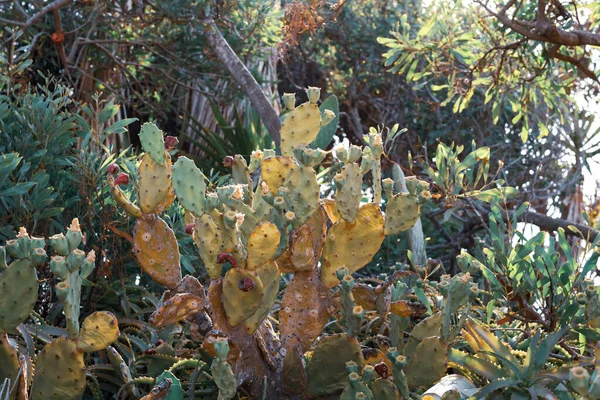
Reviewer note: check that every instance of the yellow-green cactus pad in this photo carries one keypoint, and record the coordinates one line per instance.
(428, 327)
(209, 240)
(243, 294)
(59, 371)
(327, 368)
(18, 294)
(153, 142)
(352, 245)
(176, 309)
(156, 192)
(401, 213)
(99, 331)
(349, 192)
(9, 364)
(262, 245)
(122, 200)
(303, 311)
(428, 363)
(300, 127)
(275, 169)
(156, 250)
(303, 193)
(189, 185)
(269, 276)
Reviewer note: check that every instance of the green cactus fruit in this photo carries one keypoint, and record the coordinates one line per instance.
(74, 235)
(303, 193)
(262, 245)
(9, 366)
(401, 213)
(241, 174)
(155, 189)
(59, 243)
(99, 330)
(59, 372)
(177, 308)
(326, 370)
(384, 389)
(157, 251)
(300, 127)
(209, 240)
(243, 294)
(18, 294)
(189, 185)
(352, 245)
(427, 364)
(122, 200)
(269, 276)
(275, 169)
(303, 311)
(428, 327)
(355, 386)
(221, 371)
(349, 191)
(153, 142)
(3, 264)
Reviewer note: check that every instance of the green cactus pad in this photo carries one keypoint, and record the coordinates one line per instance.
(243, 294)
(59, 372)
(348, 196)
(9, 364)
(189, 185)
(303, 312)
(326, 370)
(401, 213)
(275, 169)
(157, 252)
(301, 127)
(352, 245)
(303, 193)
(175, 390)
(209, 240)
(224, 378)
(18, 294)
(262, 245)
(428, 327)
(99, 330)
(427, 364)
(153, 142)
(384, 389)
(269, 275)
(155, 190)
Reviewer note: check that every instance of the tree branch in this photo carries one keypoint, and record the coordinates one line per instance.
(244, 78)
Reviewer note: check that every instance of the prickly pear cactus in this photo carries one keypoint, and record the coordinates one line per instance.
(18, 281)
(243, 294)
(9, 365)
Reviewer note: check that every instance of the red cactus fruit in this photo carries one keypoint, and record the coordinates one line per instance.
(246, 284)
(189, 228)
(113, 169)
(122, 179)
(382, 370)
(228, 162)
(222, 258)
(171, 142)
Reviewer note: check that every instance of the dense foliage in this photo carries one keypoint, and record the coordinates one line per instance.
(160, 240)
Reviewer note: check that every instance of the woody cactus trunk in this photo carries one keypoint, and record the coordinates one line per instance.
(269, 220)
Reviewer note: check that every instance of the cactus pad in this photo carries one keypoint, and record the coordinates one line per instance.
(352, 245)
(303, 193)
(428, 327)
(275, 169)
(177, 308)
(401, 214)
(9, 363)
(349, 192)
(262, 245)
(331, 210)
(427, 364)
(302, 254)
(303, 311)
(209, 240)
(326, 370)
(155, 190)
(59, 372)
(301, 127)
(99, 330)
(243, 294)
(18, 294)
(156, 250)
(153, 142)
(189, 185)
(269, 276)
(384, 389)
